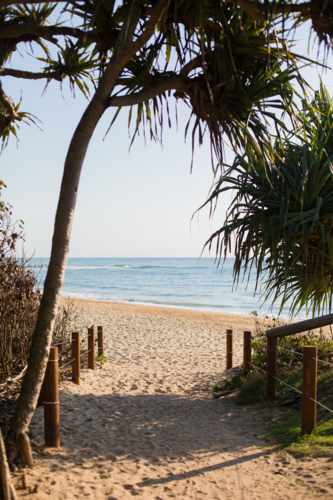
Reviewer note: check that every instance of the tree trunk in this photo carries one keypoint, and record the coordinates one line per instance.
(6, 487)
(42, 336)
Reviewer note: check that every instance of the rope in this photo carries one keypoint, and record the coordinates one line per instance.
(50, 402)
(85, 352)
(60, 343)
(84, 338)
(233, 333)
(52, 360)
(277, 347)
(63, 366)
(321, 361)
(257, 367)
(321, 405)
(260, 341)
(287, 385)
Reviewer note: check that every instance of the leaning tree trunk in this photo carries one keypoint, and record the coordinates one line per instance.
(40, 347)
(42, 336)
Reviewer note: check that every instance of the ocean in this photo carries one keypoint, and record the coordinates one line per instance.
(168, 282)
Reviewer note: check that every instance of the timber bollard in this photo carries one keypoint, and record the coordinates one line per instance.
(76, 357)
(271, 367)
(100, 341)
(51, 401)
(309, 392)
(91, 347)
(229, 349)
(247, 352)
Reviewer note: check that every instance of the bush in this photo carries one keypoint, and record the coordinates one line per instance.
(252, 389)
(19, 304)
(19, 299)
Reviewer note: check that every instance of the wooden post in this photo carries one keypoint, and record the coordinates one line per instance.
(76, 357)
(51, 401)
(91, 347)
(247, 352)
(271, 367)
(229, 349)
(309, 389)
(100, 340)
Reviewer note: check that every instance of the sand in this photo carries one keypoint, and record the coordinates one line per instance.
(145, 424)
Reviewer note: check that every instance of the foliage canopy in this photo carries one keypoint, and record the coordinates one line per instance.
(230, 67)
(281, 215)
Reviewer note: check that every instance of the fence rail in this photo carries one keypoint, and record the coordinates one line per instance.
(310, 363)
(301, 326)
(49, 395)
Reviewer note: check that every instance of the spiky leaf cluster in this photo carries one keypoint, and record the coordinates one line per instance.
(281, 215)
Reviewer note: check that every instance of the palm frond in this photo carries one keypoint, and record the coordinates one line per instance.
(281, 216)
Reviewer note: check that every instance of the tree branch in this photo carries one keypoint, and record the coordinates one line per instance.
(176, 82)
(8, 104)
(6, 3)
(28, 75)
(47, 32)
(257, 11)
(190, 66)
(146, 35)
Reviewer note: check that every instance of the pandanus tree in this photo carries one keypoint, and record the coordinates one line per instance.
(281, 214)
(211, 54)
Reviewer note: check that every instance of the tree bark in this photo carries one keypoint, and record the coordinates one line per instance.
(5, 480)
(41, 341)
(42, 336)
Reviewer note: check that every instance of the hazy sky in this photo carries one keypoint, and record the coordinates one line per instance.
(130, 204)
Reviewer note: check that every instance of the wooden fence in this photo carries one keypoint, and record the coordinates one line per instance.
(310, 361)
(49, 396)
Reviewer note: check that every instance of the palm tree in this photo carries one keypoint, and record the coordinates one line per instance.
(281, 214)
(211, 54)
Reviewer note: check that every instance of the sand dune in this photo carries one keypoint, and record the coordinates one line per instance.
(145, 424)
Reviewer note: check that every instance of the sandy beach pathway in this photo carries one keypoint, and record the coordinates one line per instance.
(144, 425)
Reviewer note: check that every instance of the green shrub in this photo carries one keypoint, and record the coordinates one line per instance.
(252, 388)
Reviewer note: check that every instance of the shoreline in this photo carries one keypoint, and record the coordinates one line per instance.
(232, 320)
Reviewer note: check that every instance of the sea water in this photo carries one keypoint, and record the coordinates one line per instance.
(169, 282)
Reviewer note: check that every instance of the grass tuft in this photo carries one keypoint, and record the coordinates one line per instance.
(287, 432)
(252, 389)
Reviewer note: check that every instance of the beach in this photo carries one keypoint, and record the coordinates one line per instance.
(145, 424)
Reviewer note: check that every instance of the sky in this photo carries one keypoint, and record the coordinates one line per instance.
(131, 203)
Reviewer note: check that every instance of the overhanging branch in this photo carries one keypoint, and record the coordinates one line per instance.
(10, 114)
(146, 35)
(195, 63)
(256, 10)
(8, 104)
(176, 83)
(6, 3)
(47, 32)
(28, 75)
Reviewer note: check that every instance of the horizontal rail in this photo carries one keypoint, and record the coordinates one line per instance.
(301, 326)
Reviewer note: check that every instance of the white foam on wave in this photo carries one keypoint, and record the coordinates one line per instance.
(79, 268)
